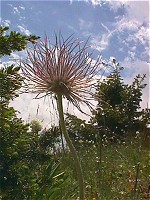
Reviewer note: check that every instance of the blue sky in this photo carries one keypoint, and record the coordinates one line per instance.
(117, 29)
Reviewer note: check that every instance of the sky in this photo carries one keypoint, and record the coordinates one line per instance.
(118, 29)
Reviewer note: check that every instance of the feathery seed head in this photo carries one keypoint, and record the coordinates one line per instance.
(64, 68)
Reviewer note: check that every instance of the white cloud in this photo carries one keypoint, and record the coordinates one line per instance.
(95, 2)
(30, 108)
(131, 55)
(126, 24)
(22, 8)
(10, 5)
(101, 43)
(8, 63)
(16, 10)
(6, 22)
(105, 27)
(115, 5)
(14, 56)
(138, 32)
(18, 56)
(23, 30)
(135, 32)
(84, 24)
(132, 23)
(143, 35)
(19, 11)
(138, 10)
(44, 109)
(135, 9)
(145, 53)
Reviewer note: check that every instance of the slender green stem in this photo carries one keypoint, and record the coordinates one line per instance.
(71, 147)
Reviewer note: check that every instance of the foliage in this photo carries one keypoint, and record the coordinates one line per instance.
(23, 157)
(80, 132)
(14, 41)
(51, 183)
(50, 139)
(118, 106)
(23, 162)
(14, 138)
(35, 126)
(10, 83)
(116, 171)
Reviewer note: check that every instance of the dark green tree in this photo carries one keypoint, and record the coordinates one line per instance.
(26, 168)
(118, 110)
(50, 138)
(15, 143)
(14, 41)
(80, 131)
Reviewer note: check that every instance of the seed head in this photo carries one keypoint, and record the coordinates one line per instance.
(64, 67)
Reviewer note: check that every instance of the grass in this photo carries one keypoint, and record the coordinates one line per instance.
(111, 171)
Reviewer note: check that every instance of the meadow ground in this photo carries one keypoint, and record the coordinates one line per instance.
(117, 171)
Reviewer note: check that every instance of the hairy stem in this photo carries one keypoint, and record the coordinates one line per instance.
(71, 147)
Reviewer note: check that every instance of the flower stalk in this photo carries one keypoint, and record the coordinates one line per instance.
(71, 147)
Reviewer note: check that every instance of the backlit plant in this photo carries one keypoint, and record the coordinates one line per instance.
(64, 69)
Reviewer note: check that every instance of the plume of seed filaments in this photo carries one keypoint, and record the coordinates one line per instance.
(62, 68)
